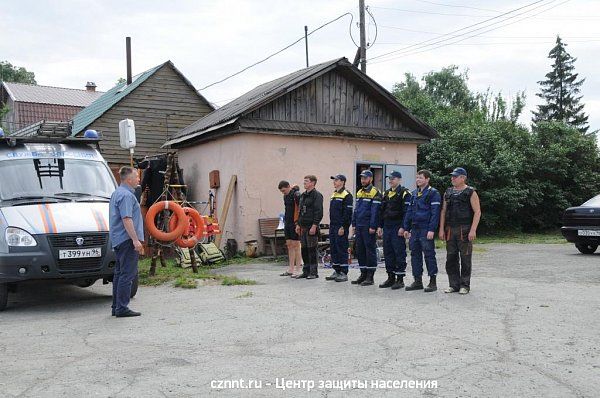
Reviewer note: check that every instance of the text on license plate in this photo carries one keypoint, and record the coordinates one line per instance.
(80, 253)
(588, 232)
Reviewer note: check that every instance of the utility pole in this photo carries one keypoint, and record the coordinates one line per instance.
(363, 38)
(306, 42)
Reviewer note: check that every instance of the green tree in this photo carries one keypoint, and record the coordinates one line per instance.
(560, 91)
(10, 73)
(477, 133)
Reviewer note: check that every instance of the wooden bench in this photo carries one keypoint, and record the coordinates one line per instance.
(269, 231)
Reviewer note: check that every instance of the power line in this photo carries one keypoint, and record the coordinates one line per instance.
(433, 12)
(376, 28)
(455, 6)
(280, 51)
(416, 51)
(424, 43)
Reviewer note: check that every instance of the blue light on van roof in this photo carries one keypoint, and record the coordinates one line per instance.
(90, 134)
(1, 133)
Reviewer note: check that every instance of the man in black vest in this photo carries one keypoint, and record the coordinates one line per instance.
(460, 217)
(311, 213)
(393, 209)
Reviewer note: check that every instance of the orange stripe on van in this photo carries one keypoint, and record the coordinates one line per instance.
(51, 218)
(44, 219)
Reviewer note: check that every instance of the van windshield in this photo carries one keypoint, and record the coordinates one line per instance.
(73, 178)
(593, 202)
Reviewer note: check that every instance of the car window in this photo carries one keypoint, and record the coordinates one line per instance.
(593, 202)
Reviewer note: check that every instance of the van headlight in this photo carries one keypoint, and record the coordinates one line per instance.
(19, 238)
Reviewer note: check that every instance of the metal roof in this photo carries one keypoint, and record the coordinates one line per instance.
(272, 90)
(262, 94)
(20, 92)
(92, 112)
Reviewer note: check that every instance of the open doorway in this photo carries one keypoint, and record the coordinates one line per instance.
(378, 174)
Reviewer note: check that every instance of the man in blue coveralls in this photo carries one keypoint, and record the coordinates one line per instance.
(126, 230)
(340, 217)
(365, 220)
(420, 224)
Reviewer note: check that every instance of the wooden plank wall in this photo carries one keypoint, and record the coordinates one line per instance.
(330, 99)
(164, 93)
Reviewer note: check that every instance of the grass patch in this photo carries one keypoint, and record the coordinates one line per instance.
(552, 237)
(234, 280)
(185, 283)
(244, 295)
(183, 277)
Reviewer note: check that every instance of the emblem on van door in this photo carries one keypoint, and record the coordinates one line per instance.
(79, 240)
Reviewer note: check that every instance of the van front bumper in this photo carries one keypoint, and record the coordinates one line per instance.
(42, 262)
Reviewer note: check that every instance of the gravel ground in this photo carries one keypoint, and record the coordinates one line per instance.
(529, 327)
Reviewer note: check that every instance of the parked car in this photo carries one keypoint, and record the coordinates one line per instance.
(581, 225)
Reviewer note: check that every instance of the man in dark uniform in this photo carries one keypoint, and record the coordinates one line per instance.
(365, 221)
(291, 202)
(461, 213)
(420, 223)
(340, 217)
(311, 213)
(393, 209)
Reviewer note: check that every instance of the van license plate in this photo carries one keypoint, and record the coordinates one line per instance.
(588, 232)
(80, 253)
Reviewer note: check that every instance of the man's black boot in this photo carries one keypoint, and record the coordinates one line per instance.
(389, 281)
(361, 278)
(313, 272)
(432, 287)
(416, 285)
(369, 279)
(399, 283)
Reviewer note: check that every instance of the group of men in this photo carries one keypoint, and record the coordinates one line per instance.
(395, 216)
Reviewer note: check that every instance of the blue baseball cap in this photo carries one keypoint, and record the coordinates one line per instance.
(366, 173)
(395, 174)
(340, 177)
(459, 171)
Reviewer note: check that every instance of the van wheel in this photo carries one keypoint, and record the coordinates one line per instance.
(586, 248)
(134, 286)
(3, 296)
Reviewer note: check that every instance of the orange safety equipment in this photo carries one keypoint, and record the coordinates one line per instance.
(195, 228)
(177, 230)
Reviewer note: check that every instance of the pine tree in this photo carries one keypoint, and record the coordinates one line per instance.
(560, 91)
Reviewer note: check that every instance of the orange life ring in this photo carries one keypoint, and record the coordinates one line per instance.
(195, 223)
(174, 232)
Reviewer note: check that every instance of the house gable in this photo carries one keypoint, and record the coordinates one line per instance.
(160, 106)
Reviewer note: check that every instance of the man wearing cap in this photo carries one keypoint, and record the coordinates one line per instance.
(309, 218)
(420, 223)
(393, 209)
(460, 217)
(340, 217)
(365, 220)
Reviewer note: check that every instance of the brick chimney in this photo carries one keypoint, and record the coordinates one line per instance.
(90, 86)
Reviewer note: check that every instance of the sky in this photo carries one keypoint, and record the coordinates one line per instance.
(67, 43)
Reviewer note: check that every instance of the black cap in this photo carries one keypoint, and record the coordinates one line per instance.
(459, 171)
(340, 177)
(395, 174)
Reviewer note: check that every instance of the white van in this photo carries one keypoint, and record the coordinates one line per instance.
(54, 198)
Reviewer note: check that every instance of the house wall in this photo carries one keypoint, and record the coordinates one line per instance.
(260, 161)
(164, 100)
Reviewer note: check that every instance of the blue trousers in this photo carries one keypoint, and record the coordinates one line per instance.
(394, 250)
(338, 246)
(126, 269)
(421, 247)
(366, 249)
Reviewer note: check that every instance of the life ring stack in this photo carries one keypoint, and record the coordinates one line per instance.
(186, 226)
